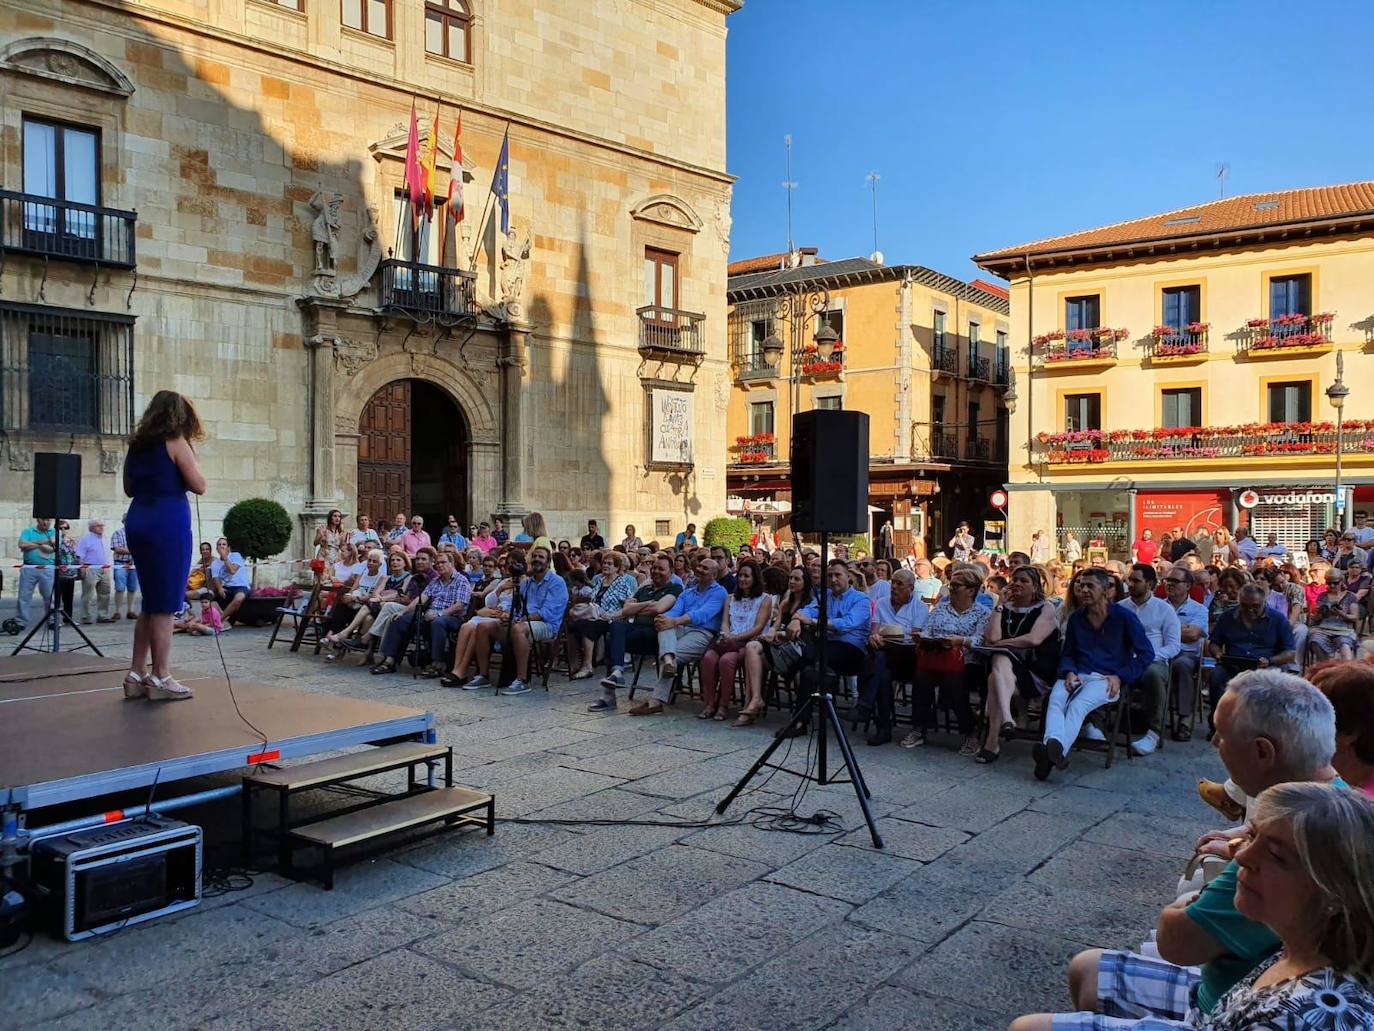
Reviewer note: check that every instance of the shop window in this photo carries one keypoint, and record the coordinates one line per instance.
(1082, 412)
(1290, 402)
(1181, 407)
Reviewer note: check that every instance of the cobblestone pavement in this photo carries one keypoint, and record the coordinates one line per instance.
(989, 882)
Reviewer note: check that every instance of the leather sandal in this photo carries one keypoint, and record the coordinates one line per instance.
(747, 718)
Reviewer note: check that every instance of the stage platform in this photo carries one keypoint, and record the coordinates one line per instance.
(67, 733)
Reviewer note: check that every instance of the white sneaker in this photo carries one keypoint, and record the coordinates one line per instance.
(517, 687)
(1091, 733)
(1147, 744)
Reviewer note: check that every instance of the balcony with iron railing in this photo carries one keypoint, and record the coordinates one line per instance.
(1001, 372)
(1252, 440)
(670, 333)
(978, 449)
(1077, 349)
(812, 365)
(63, 230)
(1295, 335)
(944, 445)
(755, 449)
(944, 360)
(754, 366)
(429, 293)
(1177, 344)
(979, 368)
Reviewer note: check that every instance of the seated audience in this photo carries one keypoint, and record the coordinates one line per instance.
(1250, 636)
(1192, 632)
(392, 627)
(230, 580)
(493, 612)
(772, 648)
(364, 538)
(541, 602)
(747, 614)
(848, 618)
(415, 538)
(484, 540)
(1024, 635)
(898, 617)
(1105, 648)
(453, 534)
(350, 610)
(1160, 621)
(198, 580)
(633, 627)
(1272, 728)
(1349, 686)
(631, 543)
(589, 621)
(1337, 614)
(954, 627)
(592, 539)
(685, 631)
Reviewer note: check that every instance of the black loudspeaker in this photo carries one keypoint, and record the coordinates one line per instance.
(56, 485)
(830, 472)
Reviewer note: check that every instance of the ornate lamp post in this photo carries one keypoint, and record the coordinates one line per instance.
(1336, 394)
(796, 308)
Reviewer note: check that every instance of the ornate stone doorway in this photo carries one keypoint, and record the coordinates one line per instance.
(412, 455)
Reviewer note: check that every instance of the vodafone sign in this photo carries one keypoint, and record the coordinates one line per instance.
(1250, 498)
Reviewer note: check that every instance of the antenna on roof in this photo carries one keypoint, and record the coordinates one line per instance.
(1222, 169)
(789, 186)
(872, 180)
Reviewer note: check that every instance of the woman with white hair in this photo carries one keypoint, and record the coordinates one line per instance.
(1307, 873)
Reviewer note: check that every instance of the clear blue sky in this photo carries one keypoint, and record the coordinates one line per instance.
(997, 122)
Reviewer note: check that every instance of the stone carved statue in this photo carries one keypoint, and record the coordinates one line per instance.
(325, 230)
(515, 256)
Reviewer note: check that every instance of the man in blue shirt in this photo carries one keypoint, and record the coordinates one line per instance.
(453, 534)
(1246, 546)
(1105, 646)
(685, 631)
(1192, 627)
(847, 615)
(1250, 636)
(545, 600)
(230, 579)
(687, 536)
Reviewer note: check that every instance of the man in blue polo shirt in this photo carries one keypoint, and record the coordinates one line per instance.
(847, 616)
(1250, 636)
(685, 632)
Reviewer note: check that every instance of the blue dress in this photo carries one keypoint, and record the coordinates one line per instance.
(158, 528)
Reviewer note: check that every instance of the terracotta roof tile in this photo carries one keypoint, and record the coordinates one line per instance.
(767, 262)
(991, 288)
(1251, 211)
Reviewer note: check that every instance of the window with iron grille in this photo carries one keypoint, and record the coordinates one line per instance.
(65, 371)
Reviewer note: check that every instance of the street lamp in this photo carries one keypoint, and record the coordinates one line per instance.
(798, 307)
(1336, 394)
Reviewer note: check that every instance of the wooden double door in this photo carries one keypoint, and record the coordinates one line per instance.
(412, 456)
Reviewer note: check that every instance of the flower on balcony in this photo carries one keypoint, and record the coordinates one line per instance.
(1048, 338)
(753, 441)
(1079, 457)
(753, 457)
(1295, 319)
(1079, 354)
(1324, 318)
(1167, 350)
(1270, 342)
(820, 368)
(1198, 327)
(1111, 335)
(1163, 331)
(1257, 323)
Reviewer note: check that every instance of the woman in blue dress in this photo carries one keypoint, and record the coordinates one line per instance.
(158, 471)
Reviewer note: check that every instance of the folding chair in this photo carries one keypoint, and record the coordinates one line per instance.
(295, 613)
(310, 628)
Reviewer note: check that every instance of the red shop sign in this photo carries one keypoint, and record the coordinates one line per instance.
(1161, 511)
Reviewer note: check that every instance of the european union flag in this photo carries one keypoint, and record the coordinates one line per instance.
(500, 182)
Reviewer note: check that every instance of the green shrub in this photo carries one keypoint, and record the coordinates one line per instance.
(727, 532)
(257, 528)
(859, 542)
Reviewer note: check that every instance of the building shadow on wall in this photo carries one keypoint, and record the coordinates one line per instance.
(568, 471)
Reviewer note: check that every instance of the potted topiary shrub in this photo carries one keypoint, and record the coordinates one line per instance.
(727, 532)
(258, 528)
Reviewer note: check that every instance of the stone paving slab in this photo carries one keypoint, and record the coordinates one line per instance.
(990, 881)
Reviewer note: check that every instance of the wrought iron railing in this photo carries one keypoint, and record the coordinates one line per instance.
(979, 367)
(1001, 372)
(945, 359)
(754, 366)
(1253, 440)
(1286, 331)
(978, 449)
(671, 332)
(944, 445)
(65, 371)
(66, 230)
(1171, 342)
(1074, 349)
(753, 452)
(428, 292)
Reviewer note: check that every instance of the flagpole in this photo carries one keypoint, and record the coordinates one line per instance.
(405, 193)
(482, 222)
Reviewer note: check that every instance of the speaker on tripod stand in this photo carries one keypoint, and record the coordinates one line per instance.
(56, 495)
(829, 495)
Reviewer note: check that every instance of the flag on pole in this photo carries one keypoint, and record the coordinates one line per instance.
(500, 182)
(413, 172)
(430, 176)
(453, 211)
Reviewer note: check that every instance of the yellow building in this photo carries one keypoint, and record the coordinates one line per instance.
(925, 355)
(1172, 370)
(207, 195)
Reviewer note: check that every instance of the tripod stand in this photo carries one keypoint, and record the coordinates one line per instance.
(817, 716)
(53, 619)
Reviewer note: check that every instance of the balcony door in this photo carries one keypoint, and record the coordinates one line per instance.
(661, 282)
(62, 163)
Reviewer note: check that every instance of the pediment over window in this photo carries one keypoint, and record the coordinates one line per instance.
(667, 210)
(63, 61)
(393, 145)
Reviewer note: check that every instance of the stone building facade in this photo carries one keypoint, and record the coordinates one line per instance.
(203, 195)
